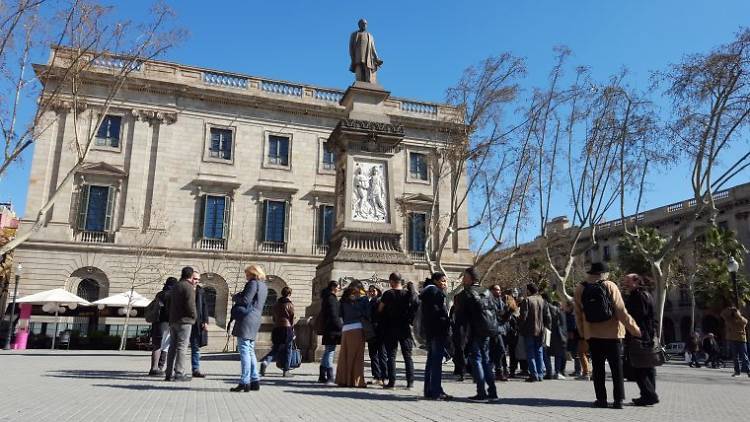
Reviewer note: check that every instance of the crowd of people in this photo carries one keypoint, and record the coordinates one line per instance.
(491, 334)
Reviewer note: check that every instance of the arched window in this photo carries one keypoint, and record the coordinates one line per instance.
(270, 301)
(210, 301)
(88, 289)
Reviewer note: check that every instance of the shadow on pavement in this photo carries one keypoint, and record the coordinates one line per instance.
(359, 394)
(109, 375)
(146, 387)
(536, 402)
(86, 355)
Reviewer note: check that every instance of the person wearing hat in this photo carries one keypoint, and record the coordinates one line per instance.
(602, 319)
(397, 310)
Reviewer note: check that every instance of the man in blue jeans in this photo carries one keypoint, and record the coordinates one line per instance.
(199, 332)
(535, 317)
(435, 328)
(475, 310)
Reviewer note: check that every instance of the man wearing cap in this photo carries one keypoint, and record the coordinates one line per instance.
(602, 319)
(397, 310)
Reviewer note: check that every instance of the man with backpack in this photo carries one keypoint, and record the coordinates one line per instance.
(157, 313)
(534, 319)
(476, 311)
(397, 310)
(435, 328)
(602, 319)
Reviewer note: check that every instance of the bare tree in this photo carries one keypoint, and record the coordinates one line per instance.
(710, 105)
(89, 46)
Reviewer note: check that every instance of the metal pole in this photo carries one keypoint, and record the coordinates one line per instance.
(736, 290)
(12, 314)
(57, 319)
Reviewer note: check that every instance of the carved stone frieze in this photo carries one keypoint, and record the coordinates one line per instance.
(155, 116)
(372, 126)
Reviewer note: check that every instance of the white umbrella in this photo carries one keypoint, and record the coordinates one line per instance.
(135, 300)
(56, 298)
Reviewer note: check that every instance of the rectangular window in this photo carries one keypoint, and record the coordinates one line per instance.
(417, 232)
(215, 216)
(108, 134)
(275, 221)
(96, 207)
(278, 150)
(221, 144)
(326, 224)
(418, 166)
(329, 157)
(605, 254)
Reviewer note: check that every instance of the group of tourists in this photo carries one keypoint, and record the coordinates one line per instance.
(493, 335)
(737, 341)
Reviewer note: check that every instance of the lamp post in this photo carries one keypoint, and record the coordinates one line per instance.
(733, 267)
(19, 268)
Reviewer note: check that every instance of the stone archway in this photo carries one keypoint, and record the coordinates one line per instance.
(217, 297)
(92, 284)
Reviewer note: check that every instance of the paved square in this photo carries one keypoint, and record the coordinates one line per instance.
(110, 386)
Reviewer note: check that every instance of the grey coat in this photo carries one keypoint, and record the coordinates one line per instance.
(254, 296)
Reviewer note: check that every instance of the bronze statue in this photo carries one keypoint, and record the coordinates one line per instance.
(365, 60)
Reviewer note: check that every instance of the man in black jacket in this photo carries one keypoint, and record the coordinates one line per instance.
(181, 319)
(397, 310)
(436, 328)
(331, 325)
(199, 333)
(469, 313)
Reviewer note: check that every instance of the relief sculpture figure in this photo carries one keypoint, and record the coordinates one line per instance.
(376, 194)
(361, 203)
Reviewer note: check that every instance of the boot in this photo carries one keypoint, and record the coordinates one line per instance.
(322, 375)
(330, 380)
(254, 385)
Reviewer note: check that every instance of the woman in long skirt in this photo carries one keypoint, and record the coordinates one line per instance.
(350, 369)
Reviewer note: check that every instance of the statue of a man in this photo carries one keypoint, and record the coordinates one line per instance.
(376, 194)
(365, 60)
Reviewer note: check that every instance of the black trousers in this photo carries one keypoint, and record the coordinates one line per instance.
(407, 344)
(497, 353)
(378, 359)
(646, 380)
(609, 350)
(459, 360)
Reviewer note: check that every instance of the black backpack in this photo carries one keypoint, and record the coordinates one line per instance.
(596, 302)
(485, 321)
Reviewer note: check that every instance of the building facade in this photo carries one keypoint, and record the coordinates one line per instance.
(214, 170)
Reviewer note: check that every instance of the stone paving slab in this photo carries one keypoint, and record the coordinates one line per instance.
(112, 386)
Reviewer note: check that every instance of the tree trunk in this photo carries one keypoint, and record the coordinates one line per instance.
(691, 289)
(124, 336)
(660, 283)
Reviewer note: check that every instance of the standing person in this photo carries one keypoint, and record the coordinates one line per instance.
(375, 346)
(248, 313)
(458, 342)
(535, 317)
(573, 338)
(602, 319)
(711, 348)
(694, 347)
(350, 369)
(182, 315)
(476, 311)
(640, 305)
(737, 338)
(282, 336)
(396, 311)
(497, 345)
(511, 333)
(558, 343)
(199, 332)
(160, 338)
(329, 311)
(436, 328)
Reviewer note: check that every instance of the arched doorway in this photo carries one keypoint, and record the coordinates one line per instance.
(92, 284)
(217, 297)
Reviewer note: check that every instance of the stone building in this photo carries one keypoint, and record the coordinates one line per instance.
(217, 170)
(734, 209)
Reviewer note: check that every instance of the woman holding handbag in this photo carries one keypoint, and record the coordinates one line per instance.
(282, 335)
(247, 313)
(350, 369)
(640, 306)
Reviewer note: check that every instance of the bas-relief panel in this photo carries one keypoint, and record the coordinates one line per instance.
(370, 192)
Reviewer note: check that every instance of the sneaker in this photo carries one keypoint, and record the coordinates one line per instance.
(600, 404)
(617, 404)
(182, 378)
(254, 385)
(155, 373)
(478, 398)
(583, 378)
(736, 374)
(560, 377)
(263, 367)
(169, 378)
(198, 374)
(492, 397)
(643, 402)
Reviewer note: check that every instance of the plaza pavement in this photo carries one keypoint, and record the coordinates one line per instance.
(110, 386)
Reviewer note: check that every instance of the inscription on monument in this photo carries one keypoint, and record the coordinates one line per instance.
(369, 192)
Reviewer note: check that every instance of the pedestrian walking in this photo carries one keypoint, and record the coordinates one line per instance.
(282, 335)
(602, 319)
(436, 329)
(711, 349)
(735, 325)
(199, 331)
(640, 305)
(396, 311)
(535, 317)
(497, 343)
(558, 343)
(350, 369)
(331, 331)
(694, 348)
(247, 312)
(510, 339)
(376, 346)
(573, 337)
(476, 311)
(160, 337)
(182, 314)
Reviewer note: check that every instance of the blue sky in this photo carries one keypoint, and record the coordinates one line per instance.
(427, 44)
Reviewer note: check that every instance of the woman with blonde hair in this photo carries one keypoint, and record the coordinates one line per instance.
(350, 369)
(247, 313)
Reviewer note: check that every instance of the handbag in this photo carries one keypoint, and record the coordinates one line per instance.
(295, 356)
(546, 337)
(645, 354)
(368, 329)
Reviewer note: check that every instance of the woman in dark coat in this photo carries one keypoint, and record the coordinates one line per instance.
(375, 346)
(282, 336)
(640, 305)
(329, 309)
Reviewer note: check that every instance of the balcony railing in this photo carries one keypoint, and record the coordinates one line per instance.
(320, 249)
(417, 256)
(96, 237)
(272, 247)
(213, 244)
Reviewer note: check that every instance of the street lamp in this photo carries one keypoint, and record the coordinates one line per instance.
(733, 267)
(18, 271)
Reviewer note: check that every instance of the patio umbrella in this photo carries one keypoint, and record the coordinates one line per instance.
(54, 299)
(122, 300)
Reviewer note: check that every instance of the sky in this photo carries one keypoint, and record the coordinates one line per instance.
(426, 45)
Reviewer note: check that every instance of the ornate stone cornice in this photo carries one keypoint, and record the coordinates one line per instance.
(155, 116)
(378, 127)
